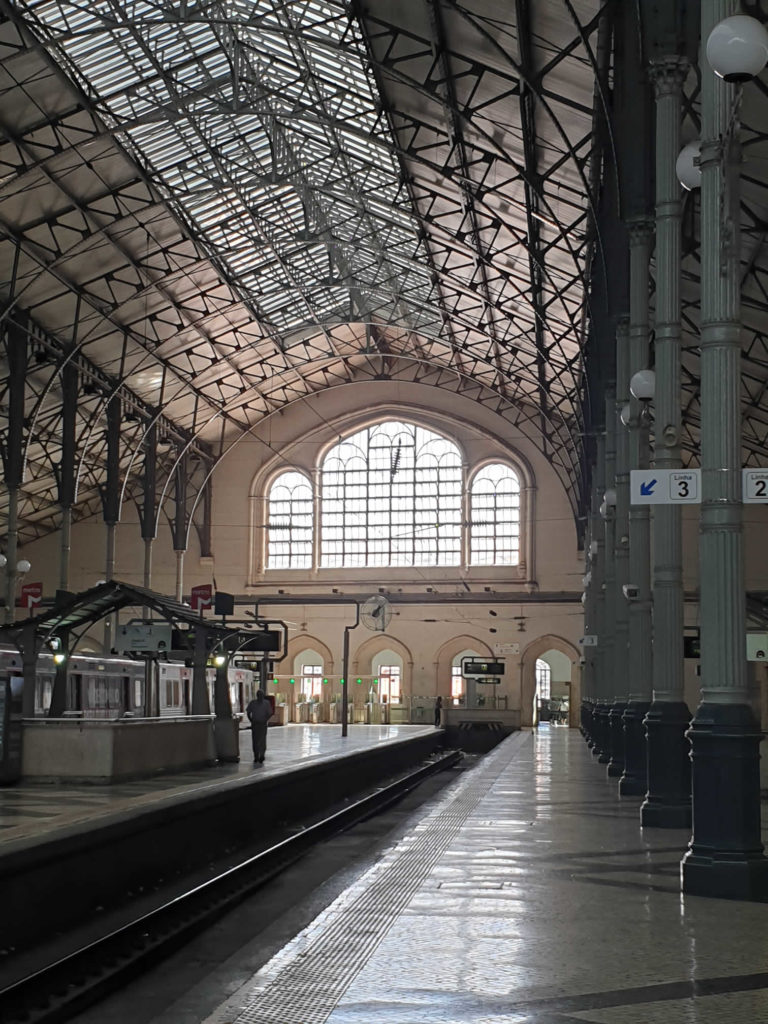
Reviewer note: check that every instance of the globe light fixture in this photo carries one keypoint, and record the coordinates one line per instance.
(626, 414)
(610, 497)
(737, 48)
(643, 385)
(687, 166)
(23, 566)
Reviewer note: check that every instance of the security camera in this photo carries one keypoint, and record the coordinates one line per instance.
(630, 591)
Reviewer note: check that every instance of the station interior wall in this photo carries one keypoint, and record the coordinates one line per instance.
(428, 634)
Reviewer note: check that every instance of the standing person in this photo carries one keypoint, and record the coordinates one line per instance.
(438, 711)
(259, 712)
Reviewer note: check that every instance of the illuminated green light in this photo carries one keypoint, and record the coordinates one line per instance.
(341, 681)
(375, 682)
(325, 682)
(358, 681)
(274, 681)
(292, 682)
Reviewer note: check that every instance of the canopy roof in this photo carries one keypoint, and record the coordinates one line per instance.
(216, 209)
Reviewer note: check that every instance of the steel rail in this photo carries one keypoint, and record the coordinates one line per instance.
(61, 989)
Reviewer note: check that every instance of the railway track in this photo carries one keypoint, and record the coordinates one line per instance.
(66, 987)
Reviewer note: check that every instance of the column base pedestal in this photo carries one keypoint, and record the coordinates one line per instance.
(725, 858)
(668, 801)
(634, 781)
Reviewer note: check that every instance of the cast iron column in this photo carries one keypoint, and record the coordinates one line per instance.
(634, 781)
(725, 857)
(608, 624)
(110, 498)
(66, 471)
(17, 354)
(668, 802)
(621, 554)
(599, 704)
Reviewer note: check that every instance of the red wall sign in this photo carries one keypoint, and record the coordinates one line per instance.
(202, 597)
(31, 595)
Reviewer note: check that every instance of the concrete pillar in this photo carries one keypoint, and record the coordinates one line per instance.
(668, 801)
(634, 781)
(725, 857)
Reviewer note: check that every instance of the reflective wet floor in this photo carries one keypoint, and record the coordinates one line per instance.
(527, 893)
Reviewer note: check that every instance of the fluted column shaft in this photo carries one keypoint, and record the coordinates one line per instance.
(725, 857)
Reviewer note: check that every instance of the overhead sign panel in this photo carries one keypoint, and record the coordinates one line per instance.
(665, 486)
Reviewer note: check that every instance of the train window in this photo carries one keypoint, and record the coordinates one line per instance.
(389, 683)
(137, 688)
(312, 680)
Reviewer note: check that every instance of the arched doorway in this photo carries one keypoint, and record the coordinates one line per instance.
(563, 660)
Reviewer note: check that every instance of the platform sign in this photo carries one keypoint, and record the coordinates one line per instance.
(665, 486)
(144, 638)
(757, 646)
(754, 486)
(590, 640)
(201, 597)
(475, 667)
(31, 595)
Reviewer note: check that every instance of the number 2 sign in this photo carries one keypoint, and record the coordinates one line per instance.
(754, 486)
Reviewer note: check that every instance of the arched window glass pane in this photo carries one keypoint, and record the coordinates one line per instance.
(391, 496)
(289, 522)
(543, 679)
(495, 517)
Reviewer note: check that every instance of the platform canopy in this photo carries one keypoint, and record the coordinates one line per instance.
(76, 612)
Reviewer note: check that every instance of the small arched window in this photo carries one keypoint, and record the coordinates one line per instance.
(289, 522)
(495, 516)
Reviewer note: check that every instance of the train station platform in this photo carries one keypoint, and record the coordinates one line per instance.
(527, 894)
(32, 812)
(68, 851)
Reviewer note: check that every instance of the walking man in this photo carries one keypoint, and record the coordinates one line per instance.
(259, 712)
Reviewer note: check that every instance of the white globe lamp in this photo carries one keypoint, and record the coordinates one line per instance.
(643, 385)
(737, 48)
(687, 166)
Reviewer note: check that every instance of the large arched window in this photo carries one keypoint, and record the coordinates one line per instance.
(289, 522)
(391, 496)
(494, 536)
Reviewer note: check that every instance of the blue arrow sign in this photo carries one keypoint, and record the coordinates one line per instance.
(646, 489)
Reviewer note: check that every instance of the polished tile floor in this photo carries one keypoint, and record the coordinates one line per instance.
(528, 893)
(34, 812)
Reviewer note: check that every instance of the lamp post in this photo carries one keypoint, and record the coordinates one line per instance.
(14, 571)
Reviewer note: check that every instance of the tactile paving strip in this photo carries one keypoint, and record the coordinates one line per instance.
(305, 982)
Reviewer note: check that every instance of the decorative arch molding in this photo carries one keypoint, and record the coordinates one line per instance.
(362, 659)
(447, 652)
(532, 652)
(297, 644)
(328, 433)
